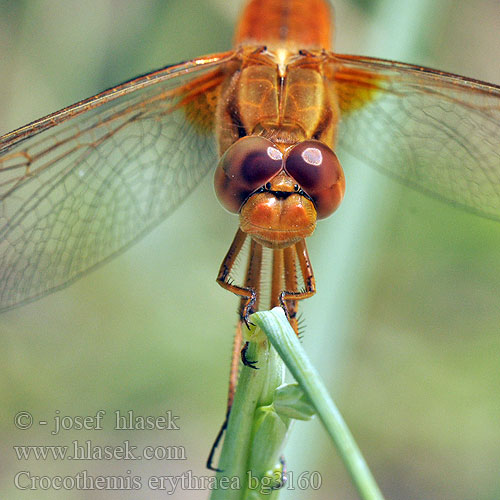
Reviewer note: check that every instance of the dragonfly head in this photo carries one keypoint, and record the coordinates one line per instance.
(279, 197)
(278, 214)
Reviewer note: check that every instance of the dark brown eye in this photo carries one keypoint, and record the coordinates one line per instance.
(318, 171)
(246, 166)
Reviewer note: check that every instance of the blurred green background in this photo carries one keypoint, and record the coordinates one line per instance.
(409, 338)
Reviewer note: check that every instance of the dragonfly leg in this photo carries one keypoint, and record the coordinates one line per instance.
(245, 360)
(248, 294)
(291, 283)
(210, 459)
(283, 475)
(252, 283)
(233, 379)
(290, 295)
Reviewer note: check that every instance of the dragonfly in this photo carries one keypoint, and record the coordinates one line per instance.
(272, 118)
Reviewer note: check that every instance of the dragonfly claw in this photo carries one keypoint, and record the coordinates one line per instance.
(283, 305)
(245, 361)
(283, 475)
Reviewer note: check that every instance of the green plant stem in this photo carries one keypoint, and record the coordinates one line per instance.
(243, 455)
(283, 338)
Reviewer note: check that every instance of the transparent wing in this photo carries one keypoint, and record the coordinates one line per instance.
(434, 131)
(84, 183)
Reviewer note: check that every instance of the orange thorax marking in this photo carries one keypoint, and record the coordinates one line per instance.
(281, 95)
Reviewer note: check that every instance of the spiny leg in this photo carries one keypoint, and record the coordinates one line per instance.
(233, 378)
(247, 293)
(277, 277)
(252, 281)
(283, 474)
(306, 270)
(291, 283)
(285, 293)
(288, 298)
(285, 281)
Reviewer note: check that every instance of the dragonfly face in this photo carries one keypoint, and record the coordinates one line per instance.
(279, 197)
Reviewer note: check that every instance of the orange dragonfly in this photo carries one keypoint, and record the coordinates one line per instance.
(274, 115)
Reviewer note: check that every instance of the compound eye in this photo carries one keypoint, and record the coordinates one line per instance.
(245, 166)
(318, 171)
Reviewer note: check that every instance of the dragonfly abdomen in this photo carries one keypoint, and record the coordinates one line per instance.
(303, 24)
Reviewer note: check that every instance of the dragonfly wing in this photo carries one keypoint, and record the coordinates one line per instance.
(83, 184)
(437, 132)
